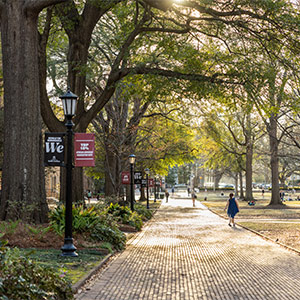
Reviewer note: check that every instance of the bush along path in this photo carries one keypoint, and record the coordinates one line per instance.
(30, 263)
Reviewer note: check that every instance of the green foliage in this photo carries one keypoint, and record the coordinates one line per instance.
(22, 279)
(9, 227)
(145, 213)
(101, 232)
(38, 231)
(135, 220)
(125, 215)
(83, 219)
(123, 212)
(93, 221)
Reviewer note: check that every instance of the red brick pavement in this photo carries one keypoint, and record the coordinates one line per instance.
(188, 253)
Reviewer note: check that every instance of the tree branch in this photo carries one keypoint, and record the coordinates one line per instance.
(176, 74)
(37, 6)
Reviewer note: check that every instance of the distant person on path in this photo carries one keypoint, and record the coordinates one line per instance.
(173, 190)
(188, 191)
(263, 193)
(167, 196)
(281, 195)
(232, 207)
(89, 196)
(194, 197)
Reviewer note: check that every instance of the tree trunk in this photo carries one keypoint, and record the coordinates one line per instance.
(23, 189)
(241, 186)
(249, 159)
(110, 167)
(236, 181)
(272, 130)
(217, 177)
(143, 194)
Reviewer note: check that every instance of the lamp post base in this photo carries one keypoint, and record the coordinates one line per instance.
(68, 249)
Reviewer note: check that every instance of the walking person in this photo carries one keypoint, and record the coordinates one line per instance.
(194, 197)
(89, 196)
(232, 207)
(167, 196)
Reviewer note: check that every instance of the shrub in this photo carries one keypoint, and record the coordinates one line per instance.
(125, 215)
(20, 278)
(122, 212)
(135, 220)
(114, 236)
(99, 225)
(145, 213)
(83, 219)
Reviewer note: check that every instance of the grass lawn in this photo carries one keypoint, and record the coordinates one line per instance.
(74, 268)
(281, 224)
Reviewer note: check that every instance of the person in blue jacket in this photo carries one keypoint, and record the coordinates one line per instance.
(232, 207)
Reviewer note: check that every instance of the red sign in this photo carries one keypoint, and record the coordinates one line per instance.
(125, 177)
(84, 147)
(151, 182)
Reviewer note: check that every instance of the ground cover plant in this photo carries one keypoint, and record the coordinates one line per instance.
(279, 223)
(96, 233)
(67, 267)
(22, 278)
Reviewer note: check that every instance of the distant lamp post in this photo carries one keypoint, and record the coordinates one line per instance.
(69, 101)
(155, 189)
(147, 171)
(131, 162)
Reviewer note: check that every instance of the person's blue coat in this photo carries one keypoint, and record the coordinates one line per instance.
(232, 209)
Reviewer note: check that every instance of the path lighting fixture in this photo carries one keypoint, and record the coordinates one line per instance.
(69, 101)
(131, 162)
(147, 171)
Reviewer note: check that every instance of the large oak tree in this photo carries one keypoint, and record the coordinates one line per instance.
(23, 191)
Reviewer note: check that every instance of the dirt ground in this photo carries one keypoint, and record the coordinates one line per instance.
(22, 237)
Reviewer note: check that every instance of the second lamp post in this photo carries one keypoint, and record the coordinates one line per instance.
(147, 171)
(69, 101)
(131, 162)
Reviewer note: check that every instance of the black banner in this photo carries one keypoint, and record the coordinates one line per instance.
(138, 177)
(144, 182)
(54, 149)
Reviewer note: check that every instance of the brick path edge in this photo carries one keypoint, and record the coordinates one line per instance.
(79, 284)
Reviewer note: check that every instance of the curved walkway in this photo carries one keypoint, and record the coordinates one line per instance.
(188, 253)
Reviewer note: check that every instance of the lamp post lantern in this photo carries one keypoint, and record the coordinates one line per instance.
(147, 171)
(69, 101)
(131, 162)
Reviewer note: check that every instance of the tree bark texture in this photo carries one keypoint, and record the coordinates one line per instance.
(23, 190)
(249, 160)
(241, 185)
(236, 182)
(272, 130)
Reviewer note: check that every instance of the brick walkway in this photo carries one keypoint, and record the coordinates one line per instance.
(188, 253)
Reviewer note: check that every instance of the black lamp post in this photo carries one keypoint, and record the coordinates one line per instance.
(155, 188)
(69, 101)
(147, 171)
(131, 162)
